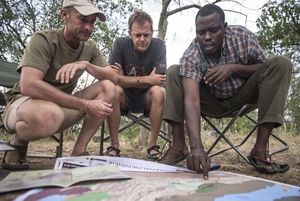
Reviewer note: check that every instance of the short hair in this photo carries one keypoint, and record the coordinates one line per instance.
(209, 9)
(140, 17)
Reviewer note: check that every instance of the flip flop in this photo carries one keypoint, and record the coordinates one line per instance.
(21, 162)
(153, 152)
(267, 166)
(109, 151)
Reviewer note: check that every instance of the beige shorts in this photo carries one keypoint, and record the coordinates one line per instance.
(10, 113)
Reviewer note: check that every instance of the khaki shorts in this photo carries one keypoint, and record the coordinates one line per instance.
(10, 113)
(135, 102)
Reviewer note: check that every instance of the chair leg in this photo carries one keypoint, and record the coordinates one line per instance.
(221, 135)
(58, 149)
(140, 120)
(285, 145)
(61, 144)
(60, 141)
(164, 135)
(134, 120)
(102, 139)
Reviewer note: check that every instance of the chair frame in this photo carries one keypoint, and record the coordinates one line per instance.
(242, 112)
(134, 119)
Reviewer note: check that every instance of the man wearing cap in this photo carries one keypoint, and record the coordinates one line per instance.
(42, 102)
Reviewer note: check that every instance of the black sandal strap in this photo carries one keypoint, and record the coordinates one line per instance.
(155, 148)
(109, 149)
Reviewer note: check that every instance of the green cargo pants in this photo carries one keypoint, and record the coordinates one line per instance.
(267, 87)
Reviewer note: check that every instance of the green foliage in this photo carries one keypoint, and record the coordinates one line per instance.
(12, 40)
(279, 25)
(49, 15)
(21, 18)
(116, 13)
(293, 105)
(279, 33)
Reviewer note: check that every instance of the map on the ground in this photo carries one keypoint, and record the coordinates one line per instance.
(61, 178)
(221, 186)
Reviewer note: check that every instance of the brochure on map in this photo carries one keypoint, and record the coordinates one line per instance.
(124, 164)
(5, 147)
(59, 178)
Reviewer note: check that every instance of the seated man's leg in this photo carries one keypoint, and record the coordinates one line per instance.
(273, 90)
(268, 87)
(155, 98)
(33, 119)
(103, 90)
(174, 114)
(29, 119)
(113, 122)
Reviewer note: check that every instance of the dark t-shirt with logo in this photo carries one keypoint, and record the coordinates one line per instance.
(137, 63)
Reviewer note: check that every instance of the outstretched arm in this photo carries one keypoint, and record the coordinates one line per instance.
(197, 160)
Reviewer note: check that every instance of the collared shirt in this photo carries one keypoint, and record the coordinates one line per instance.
(240, 46)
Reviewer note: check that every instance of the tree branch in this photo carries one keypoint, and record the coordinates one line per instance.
(182, 8)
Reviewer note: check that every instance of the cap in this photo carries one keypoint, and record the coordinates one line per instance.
(85, 7)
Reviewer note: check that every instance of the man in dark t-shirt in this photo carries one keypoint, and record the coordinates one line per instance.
(142, 62)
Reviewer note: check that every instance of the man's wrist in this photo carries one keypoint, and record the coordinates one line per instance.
(196, 147)
(85, 106)
(87, 65)
(118, 80)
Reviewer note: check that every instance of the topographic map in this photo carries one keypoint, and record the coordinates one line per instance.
(221, 186)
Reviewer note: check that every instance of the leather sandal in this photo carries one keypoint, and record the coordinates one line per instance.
(267, 166)
(154, 153)
(172, 157)
(21, 162)
(112, 151)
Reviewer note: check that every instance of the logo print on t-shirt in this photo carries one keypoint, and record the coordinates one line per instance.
(132, 72)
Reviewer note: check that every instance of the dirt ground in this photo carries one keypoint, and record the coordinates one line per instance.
(229, 161)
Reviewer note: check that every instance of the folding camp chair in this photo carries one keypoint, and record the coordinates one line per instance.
(8, 77)
(242, 112)
(141, 120)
